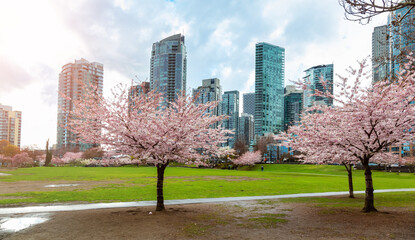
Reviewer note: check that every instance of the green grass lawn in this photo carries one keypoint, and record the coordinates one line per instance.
(139, 183)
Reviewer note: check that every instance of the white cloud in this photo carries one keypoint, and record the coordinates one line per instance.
(123, 4)
(249, 85)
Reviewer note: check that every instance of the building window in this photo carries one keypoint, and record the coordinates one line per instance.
(395, 149)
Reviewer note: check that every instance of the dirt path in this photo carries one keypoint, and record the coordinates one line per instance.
(263, 219)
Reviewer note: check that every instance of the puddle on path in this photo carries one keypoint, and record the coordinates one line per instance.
(18, 223)
(5, 174)
(61, 185)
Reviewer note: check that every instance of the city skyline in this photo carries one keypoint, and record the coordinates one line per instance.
(120, 34)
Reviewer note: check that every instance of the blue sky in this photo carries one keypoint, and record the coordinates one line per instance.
(38, 39)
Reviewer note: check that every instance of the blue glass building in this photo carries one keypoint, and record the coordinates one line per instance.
(210, 91)
(269, 88)
(402, 37)
(312, 78)
(230, 107)
(168, 67)
(293, 106)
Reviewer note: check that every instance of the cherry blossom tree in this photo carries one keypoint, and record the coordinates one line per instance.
(364, 10)
(70, 157)
(248, 158)
(22, 160)
(366, 122)
(148, 130)
(5, 160)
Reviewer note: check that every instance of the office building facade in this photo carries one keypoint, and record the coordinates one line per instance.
(230, 107)
(168, 67)
(136, 91)
(402, 37)
(71, 79)
(269, 88)
(10, 125)
(246, 128)
(210, 91)
(293, 106)
(249, 103)
(380, 53)
(313, 77)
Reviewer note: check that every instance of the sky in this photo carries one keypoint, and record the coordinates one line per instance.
(38, 37)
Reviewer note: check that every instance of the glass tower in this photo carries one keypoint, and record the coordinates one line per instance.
(380, 53)
(312, 78)
(269, 88)
(230, 107)
(210, 91)
(168, 67)
(246, 128)
(293, 106)
(402, 35)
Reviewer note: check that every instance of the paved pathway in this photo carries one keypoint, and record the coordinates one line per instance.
(77, 207)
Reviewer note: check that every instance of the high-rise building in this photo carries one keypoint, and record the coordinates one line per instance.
(230, 107)
(402, 37)
(249, 103)
(168, 67)
(137, 90)
(246, 128)
(293, 105)
(71, 79)
(10, 125)
(313, 77)
(210, 91)
(380, 53)
(269, 88)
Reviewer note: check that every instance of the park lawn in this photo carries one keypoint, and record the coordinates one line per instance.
(139, 183)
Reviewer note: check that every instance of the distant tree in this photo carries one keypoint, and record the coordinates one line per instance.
(10, 150)
(262, 143)
(368, 121)
(22, 160)
(48, 157)
(96, 152)
(5, 161)
(240, 146)
(3, 144)
(70, 157)
(248, 158)
(148, 130)
(364, 10)
(33, 152)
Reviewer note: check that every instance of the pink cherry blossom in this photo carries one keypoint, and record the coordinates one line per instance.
(150, 132)
(248, 158)
(365, 123)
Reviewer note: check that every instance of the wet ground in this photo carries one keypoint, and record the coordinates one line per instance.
(255, 219)
(20, 218)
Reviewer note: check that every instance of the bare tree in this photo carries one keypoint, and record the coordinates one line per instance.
(262, 143)
(240, 145)
(364, 10)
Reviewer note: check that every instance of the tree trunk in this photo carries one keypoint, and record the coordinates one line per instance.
(160, 180)
(349, 175)
(369, 199)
